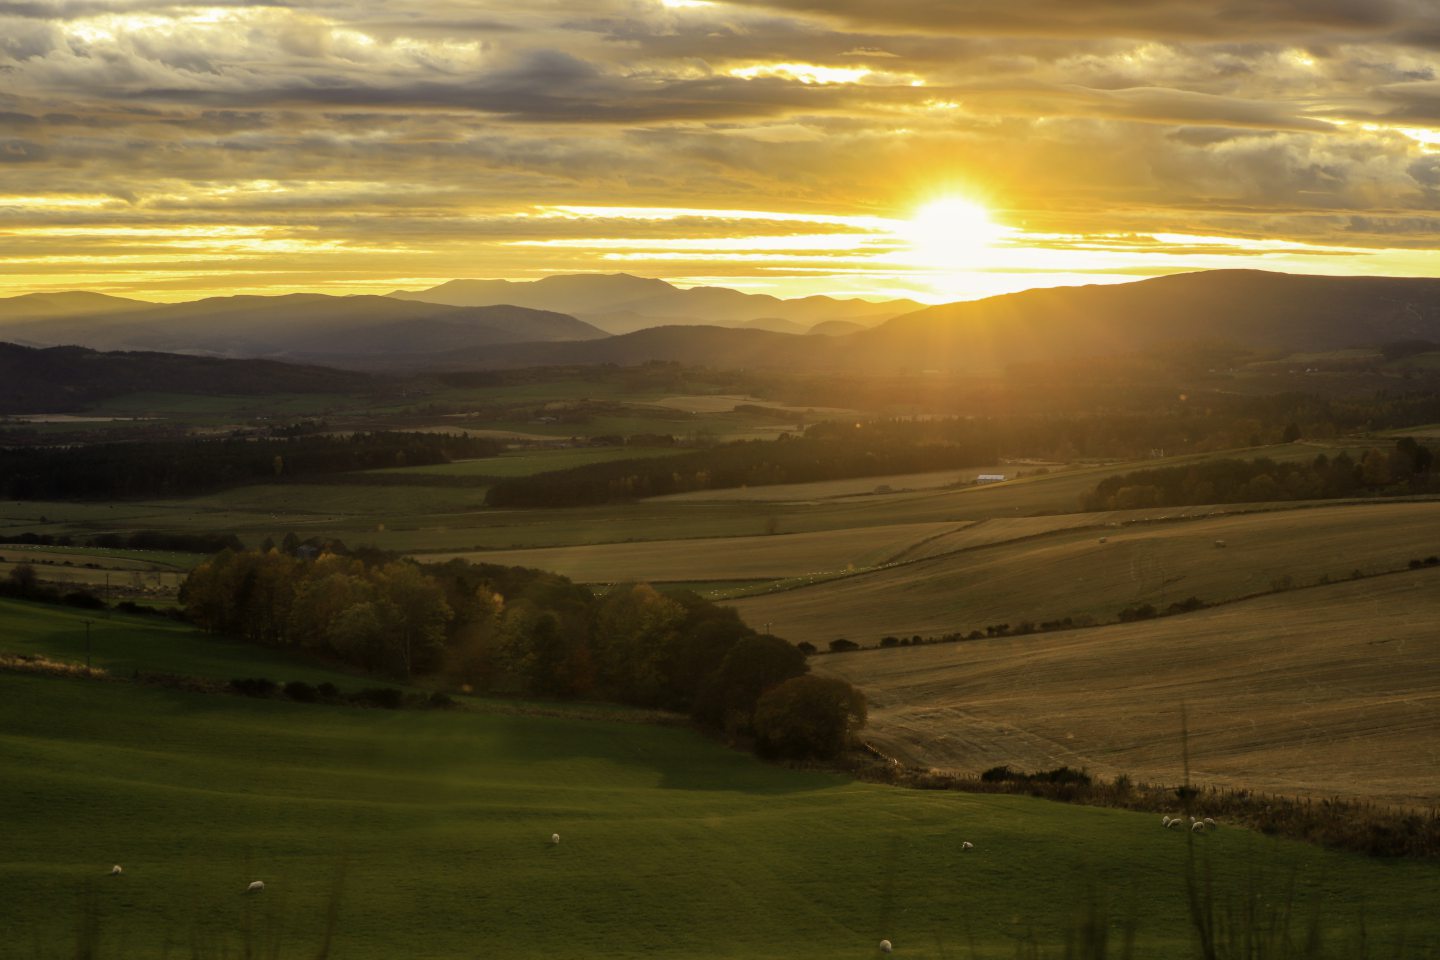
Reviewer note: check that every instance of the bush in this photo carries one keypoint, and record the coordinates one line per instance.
(889, 641)
(841, 645)
(301, 692)
(328, 691)
(254, 686)
(806, 647)
(387, 698)
(83, 599)
(440, 701)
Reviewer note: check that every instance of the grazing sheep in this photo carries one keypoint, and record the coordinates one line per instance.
(554, 838)
(1197, 827)
(257, 886)
(1210, 823)
(116, 870)
(967, 845)
(885, 946)
(1165, 820)
(1176, 824)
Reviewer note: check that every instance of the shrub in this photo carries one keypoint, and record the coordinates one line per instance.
(83, 599)
(841, 645)
(254, 686)
(806, 647)
(889, 641)
(385, 697)
(301, 692)
(440, 701)
(328, 691)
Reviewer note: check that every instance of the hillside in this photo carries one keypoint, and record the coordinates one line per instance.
(961, 582)
(620, 303)
(391, 819)
(303, 326)
(72, 303)
(61, 379)
(1330, 690)
(1249, 311)
(1252, 309)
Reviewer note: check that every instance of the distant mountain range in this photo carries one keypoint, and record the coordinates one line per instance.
(304, 327)
(620, 303)
(1252, 310)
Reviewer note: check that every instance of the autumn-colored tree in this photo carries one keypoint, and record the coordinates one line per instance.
(808, 716)
(421, 615)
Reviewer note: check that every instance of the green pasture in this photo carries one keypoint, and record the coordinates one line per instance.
(435, 519)
(427, 834)
(122, 644)
(118, 558)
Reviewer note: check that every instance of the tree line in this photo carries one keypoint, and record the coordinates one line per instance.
(1405, 469)
(824, 452)
(515, 631)
(181, 468)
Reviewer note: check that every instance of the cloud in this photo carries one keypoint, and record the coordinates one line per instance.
(446, 126)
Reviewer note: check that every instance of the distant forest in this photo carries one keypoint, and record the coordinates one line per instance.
(827, 451)
(1406, 469)
(180, 468)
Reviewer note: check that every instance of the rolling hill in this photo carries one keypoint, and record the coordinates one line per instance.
(1327, 691)
(620, 303)
(1249, 310)
(1245, 309)
(72, 303)
(61, 379)
(309, 327)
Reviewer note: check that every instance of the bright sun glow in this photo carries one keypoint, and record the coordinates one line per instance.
(950, 233)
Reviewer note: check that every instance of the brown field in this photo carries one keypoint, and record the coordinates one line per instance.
(1327, 691)
(1071, 573)
(719, 558)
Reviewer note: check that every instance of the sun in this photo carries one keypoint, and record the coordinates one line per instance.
(950, 233)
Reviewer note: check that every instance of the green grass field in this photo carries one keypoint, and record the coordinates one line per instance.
(672, 846)
(123, 644)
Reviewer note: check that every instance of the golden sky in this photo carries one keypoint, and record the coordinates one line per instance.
(786, 146)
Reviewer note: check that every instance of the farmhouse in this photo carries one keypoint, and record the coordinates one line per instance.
(990, 478)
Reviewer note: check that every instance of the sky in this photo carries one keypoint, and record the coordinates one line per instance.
(937, 149)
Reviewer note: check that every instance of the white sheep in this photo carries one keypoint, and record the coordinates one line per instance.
(116, 870)
(967, 845)
(1165, 820)
(885, 946)
(1176, 824)
(554, 838)
(1197, 827)
(256, 886)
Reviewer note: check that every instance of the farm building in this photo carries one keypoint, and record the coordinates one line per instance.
(990, 478)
